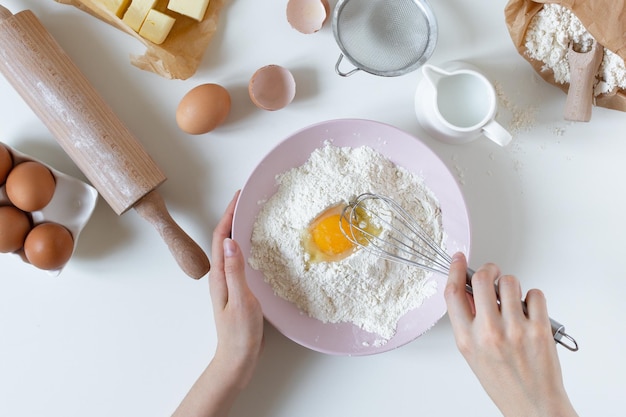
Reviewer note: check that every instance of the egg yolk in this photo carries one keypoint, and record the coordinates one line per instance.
(328, 237)
(323, 238)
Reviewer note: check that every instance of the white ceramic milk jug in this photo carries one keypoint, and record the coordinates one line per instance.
(457, 104)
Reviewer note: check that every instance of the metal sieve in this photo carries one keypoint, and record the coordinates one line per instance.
(384, 37)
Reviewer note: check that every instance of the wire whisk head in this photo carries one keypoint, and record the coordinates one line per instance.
(381, 226)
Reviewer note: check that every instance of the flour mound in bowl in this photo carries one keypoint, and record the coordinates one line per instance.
(362, 289)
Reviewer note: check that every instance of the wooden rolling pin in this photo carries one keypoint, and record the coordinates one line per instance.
(87, 129)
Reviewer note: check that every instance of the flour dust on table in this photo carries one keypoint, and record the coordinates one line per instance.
(362, 289)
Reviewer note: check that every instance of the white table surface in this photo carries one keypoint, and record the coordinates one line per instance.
(123, 332)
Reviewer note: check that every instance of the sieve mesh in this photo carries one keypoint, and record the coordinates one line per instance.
(385, 37)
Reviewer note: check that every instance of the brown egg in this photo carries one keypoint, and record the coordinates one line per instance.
(203, 108)
(6, 163)
(48, 246)
(14, 226)
(30, 186)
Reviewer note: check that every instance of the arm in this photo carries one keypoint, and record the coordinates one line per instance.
(513, 355)
(239, 324)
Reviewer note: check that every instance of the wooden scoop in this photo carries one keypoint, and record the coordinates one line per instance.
(87, 129)
(583, 67)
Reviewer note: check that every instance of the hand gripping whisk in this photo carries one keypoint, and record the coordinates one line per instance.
(398, 237)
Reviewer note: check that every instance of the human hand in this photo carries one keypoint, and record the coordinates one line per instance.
(512, 354)
(237, 312)
(239, 324)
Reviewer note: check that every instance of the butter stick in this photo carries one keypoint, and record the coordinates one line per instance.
(191, 8)
(156, 27)
(137, 12)
(117, 7)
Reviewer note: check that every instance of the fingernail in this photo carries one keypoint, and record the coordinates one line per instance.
(458, 257)
(229, 247)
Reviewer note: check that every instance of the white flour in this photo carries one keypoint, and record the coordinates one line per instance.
(522, 118)
(548, 37)
(361, 289)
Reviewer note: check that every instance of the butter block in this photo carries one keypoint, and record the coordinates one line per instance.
(117, 7)
(192, 8)
(137, 12)
(156, 27)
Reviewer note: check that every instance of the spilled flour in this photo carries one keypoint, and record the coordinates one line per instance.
(522, 118)
(548, 37)
(361, 289)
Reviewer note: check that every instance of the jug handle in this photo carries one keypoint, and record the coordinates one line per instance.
(494, 131)
(344, 74)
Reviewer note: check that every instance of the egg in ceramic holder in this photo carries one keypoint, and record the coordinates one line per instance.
(71, 205)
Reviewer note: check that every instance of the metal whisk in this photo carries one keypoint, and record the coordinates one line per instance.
(381, 226)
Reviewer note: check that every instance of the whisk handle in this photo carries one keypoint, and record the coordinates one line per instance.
(558, 330)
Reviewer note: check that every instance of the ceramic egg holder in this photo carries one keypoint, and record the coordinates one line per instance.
(71, 206)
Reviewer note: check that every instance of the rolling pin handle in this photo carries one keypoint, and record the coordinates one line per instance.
(190, 257)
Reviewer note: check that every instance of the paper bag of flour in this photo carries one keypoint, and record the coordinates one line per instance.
(601, 19)
(179, 56)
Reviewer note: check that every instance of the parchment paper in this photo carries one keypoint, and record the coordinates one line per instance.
(180, 55)
(605, 20)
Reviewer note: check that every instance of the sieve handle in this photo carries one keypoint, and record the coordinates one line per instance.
(344, 74)
(558, 330)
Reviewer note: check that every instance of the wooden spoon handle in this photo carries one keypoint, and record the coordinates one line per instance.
(190, 257)
(583, 68)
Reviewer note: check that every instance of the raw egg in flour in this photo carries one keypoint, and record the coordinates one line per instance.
(324, 240)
